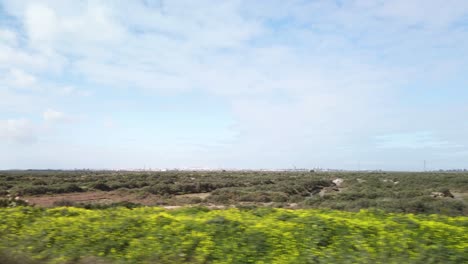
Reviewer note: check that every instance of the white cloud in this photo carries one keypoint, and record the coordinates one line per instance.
(69, 90)
(41, 23)
(8, 37)
(11, 56)
(435, 13)
(17, 130)
(53, 116)
(21, 79)
(70, 27)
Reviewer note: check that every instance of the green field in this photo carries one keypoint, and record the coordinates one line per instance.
(199, 235)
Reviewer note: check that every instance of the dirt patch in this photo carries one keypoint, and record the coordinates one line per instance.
(202, 196)
(101, 197)
(461, 196)
(94, 197)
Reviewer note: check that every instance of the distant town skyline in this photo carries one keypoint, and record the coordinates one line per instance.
(234, 84)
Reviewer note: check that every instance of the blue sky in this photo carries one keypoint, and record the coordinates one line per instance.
(234, 84)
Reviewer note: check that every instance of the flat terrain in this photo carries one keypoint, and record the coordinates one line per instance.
(267, 217)
(106, 198)
(442, 193)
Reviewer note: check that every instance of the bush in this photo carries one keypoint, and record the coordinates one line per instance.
(102, 187)
(32, 190)
(10, 202)
(72, 188)
(126, 204)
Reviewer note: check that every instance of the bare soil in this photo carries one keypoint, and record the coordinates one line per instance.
(194, 195)
(462, 196)
(101, 197)
(94, 197)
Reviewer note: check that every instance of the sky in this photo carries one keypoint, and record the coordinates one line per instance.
(345, 84)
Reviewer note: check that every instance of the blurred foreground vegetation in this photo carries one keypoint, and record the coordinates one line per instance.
(255, 235)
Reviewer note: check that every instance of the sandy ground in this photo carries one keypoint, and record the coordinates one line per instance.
(461, 196)
(110, 197)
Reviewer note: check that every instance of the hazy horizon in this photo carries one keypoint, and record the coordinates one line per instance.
(234, 84)
(198, 169)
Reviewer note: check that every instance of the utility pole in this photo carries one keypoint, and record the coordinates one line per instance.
(424, 165)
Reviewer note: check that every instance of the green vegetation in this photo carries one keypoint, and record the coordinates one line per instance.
(199, 235)
(392, 192)
(361, 218)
